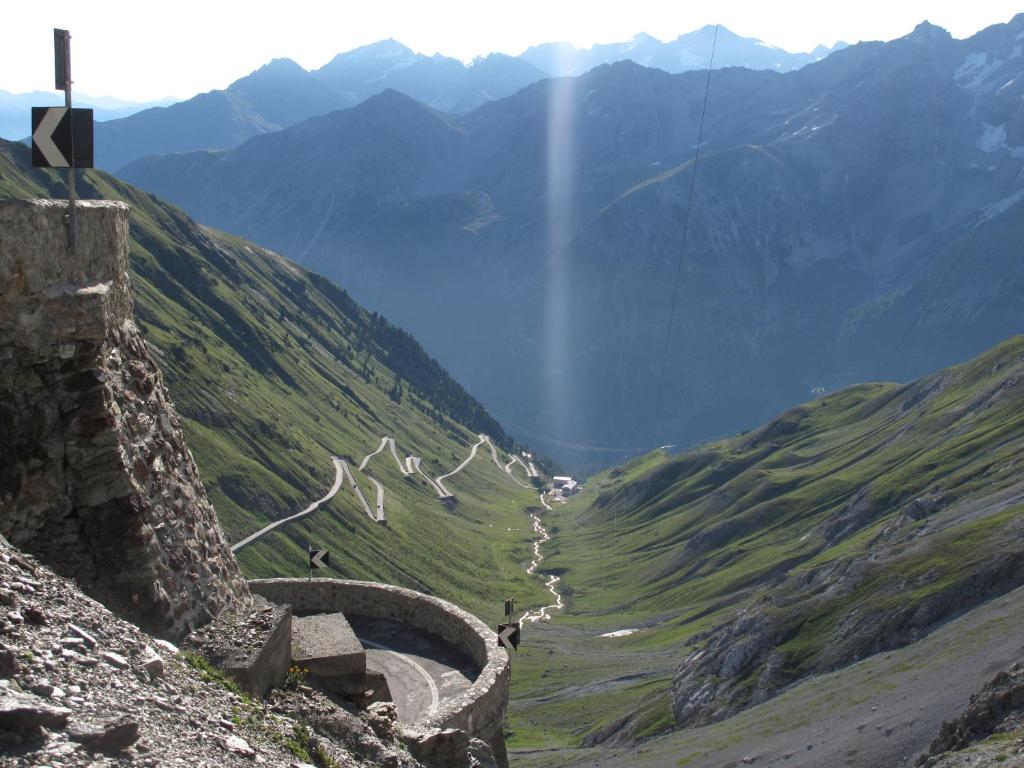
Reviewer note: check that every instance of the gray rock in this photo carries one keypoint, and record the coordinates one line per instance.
(480, 755)
(115, 659)
(111, 736)
(80, 633)
(238, 746)
(448, 748)
(23, 710)
(152, 663)
(9, 665)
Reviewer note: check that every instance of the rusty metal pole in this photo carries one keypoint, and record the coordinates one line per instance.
(62, 46)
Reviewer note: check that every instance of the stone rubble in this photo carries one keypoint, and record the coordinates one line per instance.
(81, 687)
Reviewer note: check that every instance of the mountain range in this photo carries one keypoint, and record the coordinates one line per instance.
(16, 109)
(282, 93)
(686, 52)
(856, 219)
(847, 571)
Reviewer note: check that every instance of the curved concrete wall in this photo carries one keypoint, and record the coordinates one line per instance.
(480, 711)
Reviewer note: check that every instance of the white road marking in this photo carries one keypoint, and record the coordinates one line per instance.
(435, 697)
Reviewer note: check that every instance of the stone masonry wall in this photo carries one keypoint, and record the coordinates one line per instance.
(480, 710)
(95, 476)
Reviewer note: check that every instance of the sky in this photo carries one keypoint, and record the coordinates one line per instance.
(139, 50)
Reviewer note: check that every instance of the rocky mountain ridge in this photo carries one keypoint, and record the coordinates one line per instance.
(837, 208)
(688, 51)
(282, 93)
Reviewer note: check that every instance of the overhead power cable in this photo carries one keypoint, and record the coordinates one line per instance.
(682, 247)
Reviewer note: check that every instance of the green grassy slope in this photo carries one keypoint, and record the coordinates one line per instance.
(852, 524)
(273, 370)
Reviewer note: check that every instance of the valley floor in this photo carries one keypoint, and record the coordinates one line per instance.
(883, 711)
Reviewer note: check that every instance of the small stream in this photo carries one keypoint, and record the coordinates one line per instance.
(552, 582)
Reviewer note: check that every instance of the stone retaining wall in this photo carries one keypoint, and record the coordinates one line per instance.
(480, 710)
(95, 477)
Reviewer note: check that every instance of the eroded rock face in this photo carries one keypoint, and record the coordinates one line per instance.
(95, 476)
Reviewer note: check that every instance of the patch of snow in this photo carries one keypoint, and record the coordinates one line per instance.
(971, 64)
(993, 138)
(1005, 204)
(619, 633)
(979, 69)
(636, 40)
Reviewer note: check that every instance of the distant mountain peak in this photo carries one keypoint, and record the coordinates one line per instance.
(926, 32)
(390, 45)
(282, 64)
(640, 38)
(382, 49)
(276, 68)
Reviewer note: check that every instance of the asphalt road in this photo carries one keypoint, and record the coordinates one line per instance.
(339, 472)
(421, 669)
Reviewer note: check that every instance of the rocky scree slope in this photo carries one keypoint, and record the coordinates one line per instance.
(81, 687)
(836, 207)
(989, 732)
(273, 369)
(852, 524)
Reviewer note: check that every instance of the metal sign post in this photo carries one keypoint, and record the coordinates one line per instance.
(62, 81)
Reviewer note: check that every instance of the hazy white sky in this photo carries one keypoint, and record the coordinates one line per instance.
(139, 49)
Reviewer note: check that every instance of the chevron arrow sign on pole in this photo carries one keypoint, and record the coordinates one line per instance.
(319, 558)
(508, 636)
(61, 137)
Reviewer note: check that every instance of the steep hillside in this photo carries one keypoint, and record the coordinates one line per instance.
(274, 370)
(856, 523)
(858, 218)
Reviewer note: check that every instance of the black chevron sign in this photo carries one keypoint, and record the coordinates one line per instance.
(508, 636)
(319, 558)
(61, 137)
